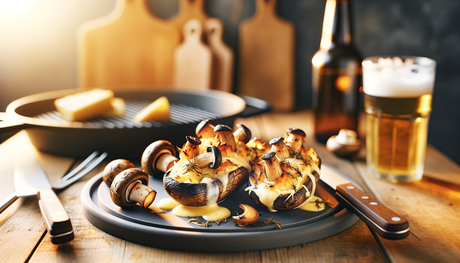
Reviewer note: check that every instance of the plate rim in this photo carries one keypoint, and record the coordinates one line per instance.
(196, 241)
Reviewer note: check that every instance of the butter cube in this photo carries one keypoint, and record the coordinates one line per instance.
(85, 105)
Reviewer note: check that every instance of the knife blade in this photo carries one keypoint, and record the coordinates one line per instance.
(376, 215)
(29, 180)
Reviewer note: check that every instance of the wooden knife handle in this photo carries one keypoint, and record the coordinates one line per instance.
(377, 216)
(57, 221)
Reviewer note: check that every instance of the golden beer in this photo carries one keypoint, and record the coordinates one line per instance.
(397, 102)
(396, 136)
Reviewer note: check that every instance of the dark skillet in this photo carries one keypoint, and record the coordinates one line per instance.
(120, 137)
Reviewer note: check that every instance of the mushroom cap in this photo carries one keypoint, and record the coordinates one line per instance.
(246, 130)
(151, 154)
(348, 137)
(344, 144)
(269, 156)
(222, 128)
(276, 140)
(113, 168)
(217, 156)
(203, 124)
(297, 131)
(193, 140)
(122, 182)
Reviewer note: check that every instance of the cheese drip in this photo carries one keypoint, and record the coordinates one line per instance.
(212, 211)
(314, 204)
(266, 196)
(209, 212)
(167, 204)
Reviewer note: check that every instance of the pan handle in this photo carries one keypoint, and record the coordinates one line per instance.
(9, 128)
(254, 106)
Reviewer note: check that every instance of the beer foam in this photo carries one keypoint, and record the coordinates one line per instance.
(398, 79)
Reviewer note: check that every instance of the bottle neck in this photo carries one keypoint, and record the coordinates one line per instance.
(337, 29)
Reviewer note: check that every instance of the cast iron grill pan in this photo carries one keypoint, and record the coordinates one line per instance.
(180, 114)
(119, 136)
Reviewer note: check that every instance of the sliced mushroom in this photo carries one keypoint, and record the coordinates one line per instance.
(248, 217)
(225, 134)
(205, 129)
(158, 157)
(278, 146)
(243, 134)
(192, 146)
(345, 143)
(272, 166)
(113, 168)
(212, 158)
(295, 139)
(130, 187)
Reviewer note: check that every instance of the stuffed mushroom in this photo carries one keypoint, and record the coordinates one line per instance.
(285, 177)
(208, 167)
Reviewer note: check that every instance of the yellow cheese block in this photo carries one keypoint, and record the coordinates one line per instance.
(158, 110)
(85, 105)
(118, 108)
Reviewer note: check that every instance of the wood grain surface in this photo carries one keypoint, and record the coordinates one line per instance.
(128, 48)
(266, 57)
(222, 56)
(431, 206)
(192, 59)
(188, 9)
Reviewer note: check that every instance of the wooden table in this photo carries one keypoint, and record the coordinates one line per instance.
(432, 206)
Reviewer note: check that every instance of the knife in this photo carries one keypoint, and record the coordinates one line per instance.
(377, 216)
(29, 180)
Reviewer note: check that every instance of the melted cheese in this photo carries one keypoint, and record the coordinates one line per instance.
(287, 184)
(212, 212)
(315, 204)
(266, 197)
(209, 212)
(197, 175)
(85, 105)
(212, 191)
(167, 204)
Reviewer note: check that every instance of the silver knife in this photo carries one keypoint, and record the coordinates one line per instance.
(377, 216)
(29, 180)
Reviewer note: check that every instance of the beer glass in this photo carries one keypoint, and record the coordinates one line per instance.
(397, 101)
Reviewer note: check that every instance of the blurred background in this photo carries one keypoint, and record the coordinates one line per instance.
(38, 48)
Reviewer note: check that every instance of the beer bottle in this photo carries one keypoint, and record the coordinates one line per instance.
(337, 74)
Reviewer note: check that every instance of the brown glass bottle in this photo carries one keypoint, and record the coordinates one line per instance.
(337, 74)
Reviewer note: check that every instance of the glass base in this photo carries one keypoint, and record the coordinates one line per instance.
(397, 178)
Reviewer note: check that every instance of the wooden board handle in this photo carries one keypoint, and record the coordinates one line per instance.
(57, 221)
(192, 60)
(377, 216)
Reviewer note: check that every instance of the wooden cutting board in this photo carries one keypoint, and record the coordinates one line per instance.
(222, 56)
(129, 47)
(192, 60)
(188, 9)
(266, 57)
